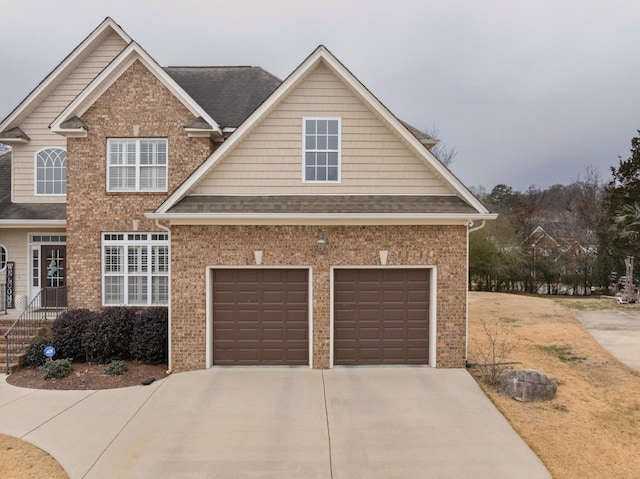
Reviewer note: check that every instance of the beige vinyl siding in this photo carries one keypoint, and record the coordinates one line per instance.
(375, 160)
(16, 242)
(36, 125)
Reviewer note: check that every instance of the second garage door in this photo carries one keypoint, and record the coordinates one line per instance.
(260, 317)
(381, 316)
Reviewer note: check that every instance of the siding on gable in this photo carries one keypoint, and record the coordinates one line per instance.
(374, 159)
(36, 125)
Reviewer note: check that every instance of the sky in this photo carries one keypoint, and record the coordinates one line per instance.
(527, 92)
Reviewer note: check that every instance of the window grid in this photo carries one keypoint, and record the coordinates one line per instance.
(51, 172)
(137, 165)
(321, 158)
(135, 269)
(3, 257)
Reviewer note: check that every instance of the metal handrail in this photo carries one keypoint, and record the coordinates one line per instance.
(29, 321)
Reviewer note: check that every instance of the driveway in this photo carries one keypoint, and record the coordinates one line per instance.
(616, 331)
(377, 422)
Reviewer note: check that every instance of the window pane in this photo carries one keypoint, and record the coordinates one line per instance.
(137, 259)
(160, 259)
(310, 142)
(137, 290)
(114, 290)
(332, 173)
(113, 259)
(332, 159)
(333, 127)
(160, 290)
(322, 159)
(322, 127)
(322, 143)
(310, 173)
(332, 142)
(310, 126)
(321, 174)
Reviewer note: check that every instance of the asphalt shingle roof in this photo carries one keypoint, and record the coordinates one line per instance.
(308, 204)
(228, 94)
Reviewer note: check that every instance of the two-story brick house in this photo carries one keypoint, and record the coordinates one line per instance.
(281, 222)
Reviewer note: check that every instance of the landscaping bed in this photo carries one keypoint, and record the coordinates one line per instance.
(86, 376)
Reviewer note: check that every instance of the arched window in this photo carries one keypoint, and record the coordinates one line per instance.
(3, 257)
(51, 172)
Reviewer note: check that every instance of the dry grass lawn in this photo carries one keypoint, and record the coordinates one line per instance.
(591, 429)
(22, 460)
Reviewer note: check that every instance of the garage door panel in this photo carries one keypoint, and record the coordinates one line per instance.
(260, 316)
(381, 316)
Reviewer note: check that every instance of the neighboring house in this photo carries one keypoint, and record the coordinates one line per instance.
(561, 257)
(282, 222)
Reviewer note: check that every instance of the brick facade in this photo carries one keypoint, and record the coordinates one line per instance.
(194, 248)
(137, 99)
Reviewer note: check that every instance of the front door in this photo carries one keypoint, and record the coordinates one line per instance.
(53, 274)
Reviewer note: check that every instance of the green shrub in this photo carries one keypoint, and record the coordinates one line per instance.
(67, 332)
(56, 369)
(116, 368)
(149, 340)
(109, 335)
(35, 352)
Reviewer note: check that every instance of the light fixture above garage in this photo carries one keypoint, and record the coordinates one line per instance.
(321, 242)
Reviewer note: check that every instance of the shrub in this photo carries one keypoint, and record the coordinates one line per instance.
(149, 341)
(67, 332)
(109, 334)
(35, 352)
(492, 350)
(56, 369)
(116, 368)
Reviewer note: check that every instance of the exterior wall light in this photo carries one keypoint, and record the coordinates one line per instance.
(321, 242)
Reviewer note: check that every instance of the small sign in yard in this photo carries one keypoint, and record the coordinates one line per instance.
(49, 351)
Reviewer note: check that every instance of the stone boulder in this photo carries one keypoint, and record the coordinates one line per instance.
(528, 385)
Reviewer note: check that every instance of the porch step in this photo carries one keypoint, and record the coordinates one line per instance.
(25, 339)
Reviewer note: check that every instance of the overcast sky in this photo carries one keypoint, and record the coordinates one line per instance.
(527, 92)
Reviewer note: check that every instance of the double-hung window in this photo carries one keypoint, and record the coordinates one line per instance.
(137, 164)
(321, 149)
(135, 269)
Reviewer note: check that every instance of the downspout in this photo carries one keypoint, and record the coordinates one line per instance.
(470, 229)
(168, 230)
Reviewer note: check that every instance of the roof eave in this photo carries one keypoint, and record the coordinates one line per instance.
(32, 223)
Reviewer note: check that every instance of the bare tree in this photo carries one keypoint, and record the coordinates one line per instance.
(443, 152)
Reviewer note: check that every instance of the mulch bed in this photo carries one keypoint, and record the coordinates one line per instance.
(86, 376)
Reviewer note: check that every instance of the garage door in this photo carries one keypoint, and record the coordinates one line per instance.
(381, 316)
(260, 316)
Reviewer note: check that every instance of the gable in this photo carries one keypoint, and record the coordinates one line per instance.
(375, 159)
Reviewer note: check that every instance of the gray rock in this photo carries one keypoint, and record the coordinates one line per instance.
(527, 385)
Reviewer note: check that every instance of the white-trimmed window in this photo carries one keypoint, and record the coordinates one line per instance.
(4, 257)
(51, 171)
(137, 164)
(321, 150)
(135, 269)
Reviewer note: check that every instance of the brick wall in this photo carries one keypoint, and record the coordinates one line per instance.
(196, 247)
(136, 98)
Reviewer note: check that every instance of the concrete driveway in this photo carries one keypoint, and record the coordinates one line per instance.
(616, 331)
(378, 422)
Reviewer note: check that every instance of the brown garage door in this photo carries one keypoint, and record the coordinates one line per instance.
(260, 316)
(381, 316)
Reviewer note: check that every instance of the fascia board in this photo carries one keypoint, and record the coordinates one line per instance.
(429, 218)
(13, 140)
(32, 223)
(113, 71)
(62, 67)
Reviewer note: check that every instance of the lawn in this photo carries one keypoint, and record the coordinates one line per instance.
(592, 427)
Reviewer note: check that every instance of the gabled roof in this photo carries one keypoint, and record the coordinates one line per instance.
(106, 28)
(322, 56)
(132, 53)
(228, 94)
